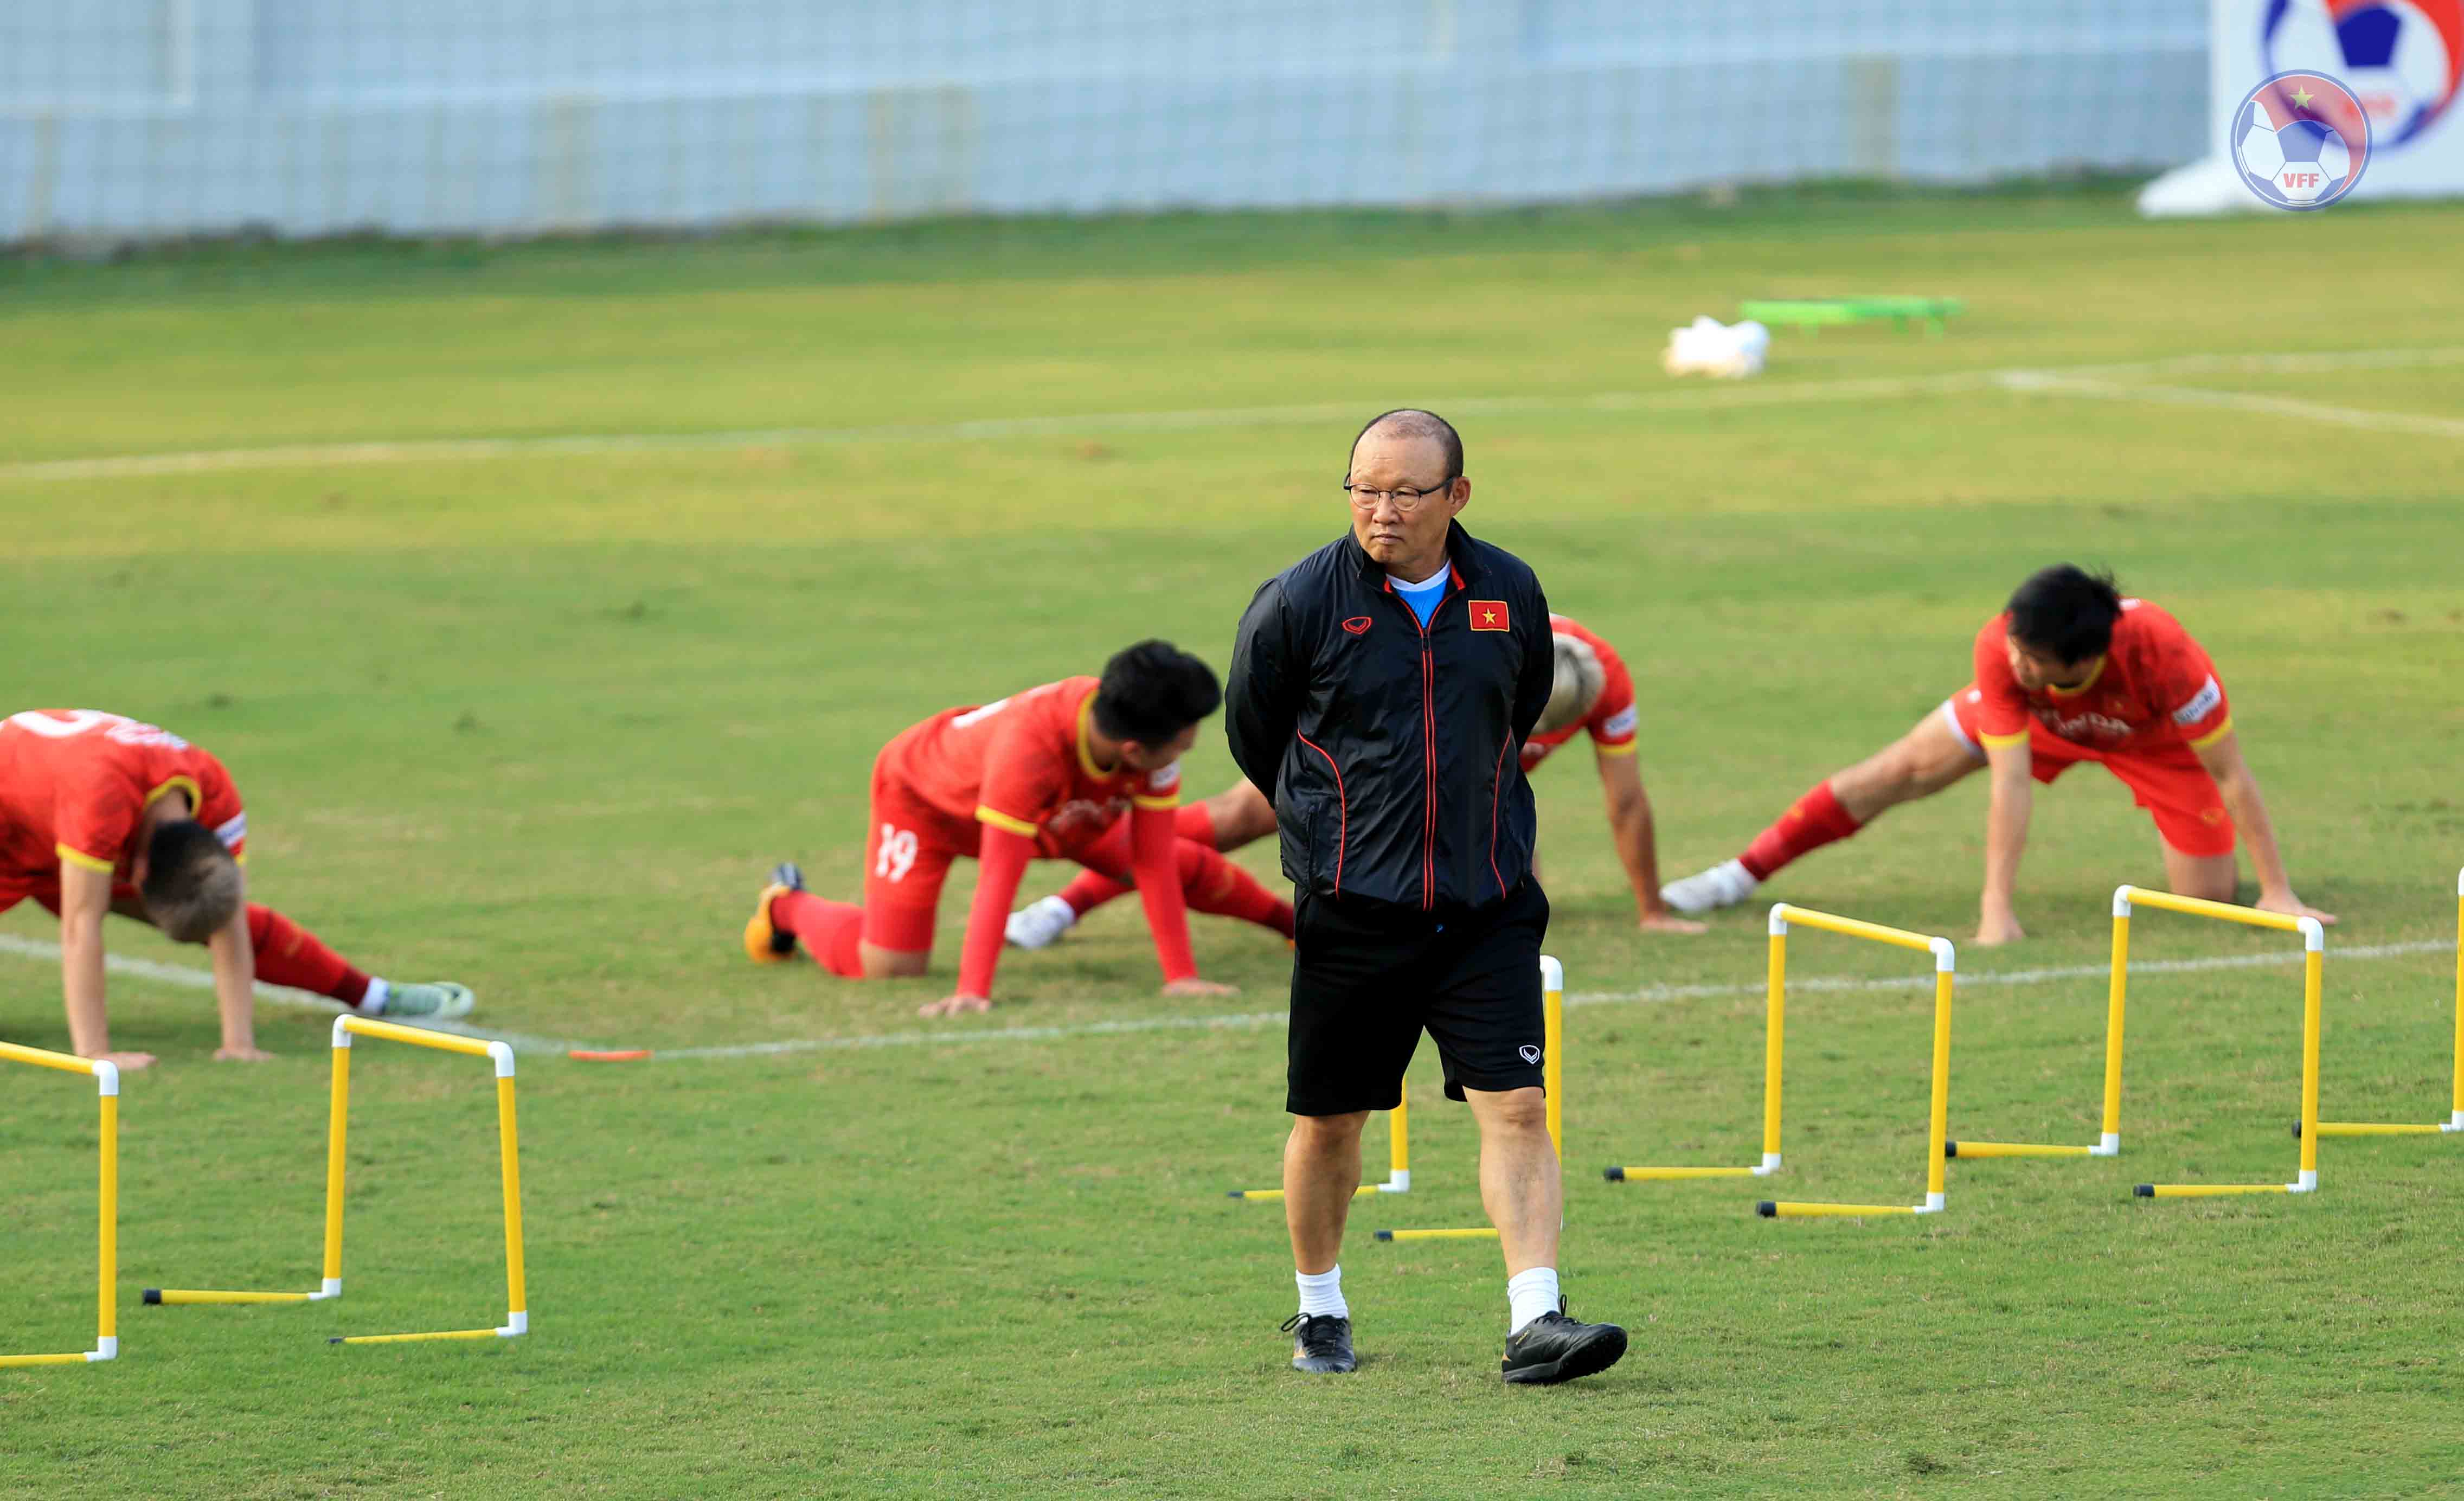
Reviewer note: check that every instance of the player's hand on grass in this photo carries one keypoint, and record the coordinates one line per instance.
(1195, 989)
(128, 1062)
(1666, 921)
(1998, 927)
(242, 1055)
(955, 1006)
(2292, 906)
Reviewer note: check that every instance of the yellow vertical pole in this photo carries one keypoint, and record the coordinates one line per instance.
(2117, 989)
(107, 1296)
(2313, 963)
(338, 1124)
(1940, 1120)
(1552, 1077)
(2456, 1120)
(1399, 1135)
(508, 1143)
(1774, 1020)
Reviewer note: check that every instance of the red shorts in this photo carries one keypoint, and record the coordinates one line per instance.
(48, 895)
(910, 845)
(908, 848)
(2171, 783)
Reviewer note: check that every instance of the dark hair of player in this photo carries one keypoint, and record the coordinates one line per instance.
(192, 884)
(1154, 691)
(1411, 422)
(2066, 611)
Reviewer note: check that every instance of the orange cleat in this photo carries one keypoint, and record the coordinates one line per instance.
(763, 943)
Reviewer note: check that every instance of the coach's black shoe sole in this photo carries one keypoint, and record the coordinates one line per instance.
(1553, 1348)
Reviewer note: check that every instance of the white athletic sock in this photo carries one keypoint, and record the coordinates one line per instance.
(373, 1004)
(1528, 1294)
(1322, 1293)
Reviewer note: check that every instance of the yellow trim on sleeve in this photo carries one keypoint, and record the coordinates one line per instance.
(1622, 748)
(2214, 736)
(2003, 741)
(1001, 819)
(188, 784)
(78, 857)
(1158, 804)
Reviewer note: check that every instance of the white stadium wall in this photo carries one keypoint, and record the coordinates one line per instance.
(165, 117)
(2412, 157)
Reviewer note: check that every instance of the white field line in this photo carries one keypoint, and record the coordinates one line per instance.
(2045, 383)
(1648, 995)
(193, 978)
(409, 451)
(277, 995)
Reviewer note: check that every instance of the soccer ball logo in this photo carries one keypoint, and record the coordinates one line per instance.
(2300, 140)
(2401, 58)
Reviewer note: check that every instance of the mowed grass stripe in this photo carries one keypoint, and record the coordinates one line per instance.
(278, 995)
(2033, 381)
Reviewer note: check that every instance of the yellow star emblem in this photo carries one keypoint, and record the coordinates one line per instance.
(2301, 97)
(1488, 617)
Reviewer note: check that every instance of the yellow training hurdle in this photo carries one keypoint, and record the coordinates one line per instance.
(501, 1055)
(1552, 1076)
(1398, 1159)
(2455, 1121)
(106, 1088)
(1946, 960)
(2117, 995)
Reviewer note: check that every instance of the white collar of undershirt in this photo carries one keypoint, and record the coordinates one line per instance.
(1424, 582)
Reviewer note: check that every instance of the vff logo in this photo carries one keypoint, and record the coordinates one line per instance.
(2301, 140)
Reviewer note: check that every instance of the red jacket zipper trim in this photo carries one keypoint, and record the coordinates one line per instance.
(1342, 810)
(1428, 741)
(1496, 784)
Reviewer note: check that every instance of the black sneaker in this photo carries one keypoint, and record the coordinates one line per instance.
(1323, 1343)
(1553, 1348)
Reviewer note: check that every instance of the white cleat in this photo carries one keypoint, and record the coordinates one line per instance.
(1040, 924)
(1724, 885)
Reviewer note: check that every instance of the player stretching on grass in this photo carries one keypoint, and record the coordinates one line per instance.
(1594, 692)
(100, 813)
(1046, 774)
(2070, 672)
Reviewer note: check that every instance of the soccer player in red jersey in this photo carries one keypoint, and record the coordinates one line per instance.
(2071, 672)
(1594, 695)
(1048, 774)
(101, 813)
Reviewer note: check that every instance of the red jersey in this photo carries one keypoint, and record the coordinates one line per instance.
(2155, 688)
(1613, 717)
(75, 784)
(1025, 763)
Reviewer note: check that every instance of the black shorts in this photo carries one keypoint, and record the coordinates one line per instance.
(1368, 981)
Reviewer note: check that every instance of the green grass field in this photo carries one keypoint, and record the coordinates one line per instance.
(540, 717)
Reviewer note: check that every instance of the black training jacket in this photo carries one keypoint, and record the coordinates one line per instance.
(1394, 752)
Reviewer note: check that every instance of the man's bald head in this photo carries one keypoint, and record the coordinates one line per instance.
(1411, 422)
(1409, 463)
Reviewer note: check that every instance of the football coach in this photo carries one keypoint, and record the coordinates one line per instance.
(1381, 691)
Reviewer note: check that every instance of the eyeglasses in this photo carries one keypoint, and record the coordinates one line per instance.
(1405, 502)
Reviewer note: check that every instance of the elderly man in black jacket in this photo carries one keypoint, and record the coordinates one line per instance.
(1381, 691)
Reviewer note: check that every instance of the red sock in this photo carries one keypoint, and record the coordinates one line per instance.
(288, 954)
(831, 930)
(1093, 890)
(1812, 820)
(1212, 884)
(1193, 822)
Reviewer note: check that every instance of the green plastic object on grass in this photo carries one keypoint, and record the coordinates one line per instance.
(1812, 312)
